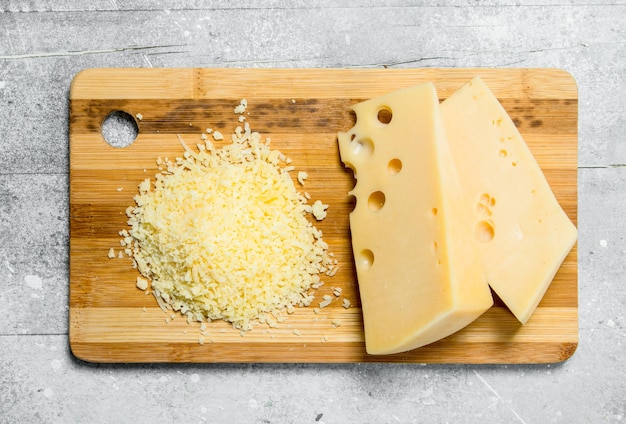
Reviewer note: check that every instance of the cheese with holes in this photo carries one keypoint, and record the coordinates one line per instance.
(419, 271)
(523, 233)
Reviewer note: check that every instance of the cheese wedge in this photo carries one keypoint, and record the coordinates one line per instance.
(523, 233)
(419, 272)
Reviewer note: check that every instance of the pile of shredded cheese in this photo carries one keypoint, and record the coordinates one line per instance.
(223, 234)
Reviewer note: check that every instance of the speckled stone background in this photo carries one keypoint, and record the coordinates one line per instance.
(43, 44)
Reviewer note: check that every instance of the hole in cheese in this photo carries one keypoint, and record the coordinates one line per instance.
(484, 231)
(384, 115)
(366, 259)
(351, 121)
(351, 167)
(362, 146)
(434, 211)
(376, 201)
(483, 209)
(351, 202)
(485, 203)
(394, 166)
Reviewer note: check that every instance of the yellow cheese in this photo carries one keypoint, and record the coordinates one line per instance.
(523, 233)
(222, 234)
(419, 272)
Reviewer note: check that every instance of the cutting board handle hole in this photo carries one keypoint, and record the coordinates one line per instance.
(119, 129)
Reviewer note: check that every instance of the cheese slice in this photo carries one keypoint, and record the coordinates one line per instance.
(523, 233)
(419, 272)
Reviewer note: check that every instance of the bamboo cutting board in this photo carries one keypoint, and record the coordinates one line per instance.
(301, 110)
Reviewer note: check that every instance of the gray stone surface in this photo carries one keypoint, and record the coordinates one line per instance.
(43, 44)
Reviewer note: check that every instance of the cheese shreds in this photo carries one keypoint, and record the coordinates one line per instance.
(302, 176)
(327, 299)
(241, 108)
(319, 210)
(142, 283)
(223, 234)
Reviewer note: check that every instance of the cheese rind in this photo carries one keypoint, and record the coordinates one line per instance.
(419, 272)
(524, 235)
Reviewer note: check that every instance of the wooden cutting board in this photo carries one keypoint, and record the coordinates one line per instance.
(301, 110)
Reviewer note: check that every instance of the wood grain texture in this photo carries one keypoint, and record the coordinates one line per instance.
(301, 111)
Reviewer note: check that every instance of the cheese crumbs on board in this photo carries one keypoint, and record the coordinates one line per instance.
(302, 176)
(223, 234)
(319, 210)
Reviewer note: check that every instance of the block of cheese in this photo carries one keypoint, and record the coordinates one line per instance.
(419, 272)
(523, 233)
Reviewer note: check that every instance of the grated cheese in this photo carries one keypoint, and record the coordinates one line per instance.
(326, 301)
(142, 283)
(241, 108)
(223, 234)
(319, 210)
(302, 176)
